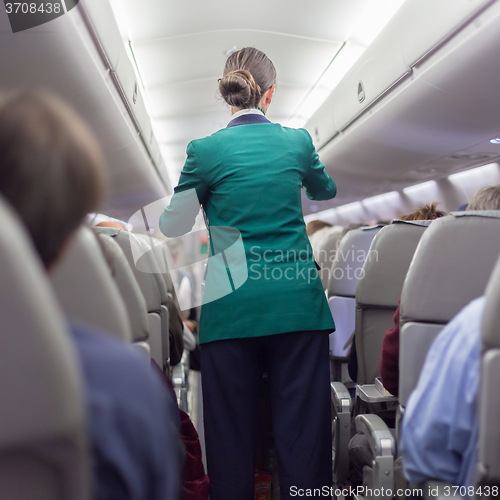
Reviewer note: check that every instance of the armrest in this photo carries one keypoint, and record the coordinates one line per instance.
(382, 445)
(341, 399)
(341, 413)
(379, 436)
(371, 393)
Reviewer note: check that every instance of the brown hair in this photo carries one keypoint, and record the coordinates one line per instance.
(51, 168)
(316, 225)
(487, 198)
(248, 73)
(427, 212)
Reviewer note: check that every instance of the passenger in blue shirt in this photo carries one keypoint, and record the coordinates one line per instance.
(53, 174)
(440, 426)
(134, 423)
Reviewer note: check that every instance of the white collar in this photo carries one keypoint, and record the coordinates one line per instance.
(246, 111)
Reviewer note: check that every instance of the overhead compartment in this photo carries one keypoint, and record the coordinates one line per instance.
(418, 30)
(77, 61)
(429, 107)
(100, 19)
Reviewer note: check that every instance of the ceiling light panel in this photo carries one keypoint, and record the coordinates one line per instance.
(373, 19)
(471, 180)
(201, 55)
(326, 19)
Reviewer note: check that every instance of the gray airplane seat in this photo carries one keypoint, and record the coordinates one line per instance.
(86, 290)
(451, 267)
(377, 293)
(379, 290)
(43, 451)
(488, 468)
(145, 272)
(344, 276)
(326, 254)
(163, 257)
(130, 291)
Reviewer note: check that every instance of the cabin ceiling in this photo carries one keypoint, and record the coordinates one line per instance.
(180, 48)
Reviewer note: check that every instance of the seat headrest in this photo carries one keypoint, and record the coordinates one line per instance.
(490, 331)
(351, 254)
(425, 223)
(451, 266)
(145, 279)
(154, 258)
(127, 285)
(387, 263)
(40, 387)
(489, 214)
(86, 290)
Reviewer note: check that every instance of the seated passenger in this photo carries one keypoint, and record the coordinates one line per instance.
(440, 428)
(316, 225)
(52, 173)
(115, 224)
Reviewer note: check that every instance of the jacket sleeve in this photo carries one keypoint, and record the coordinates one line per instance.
(317, 183)
(191, 192)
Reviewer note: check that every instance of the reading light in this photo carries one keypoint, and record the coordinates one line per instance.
(495, 141)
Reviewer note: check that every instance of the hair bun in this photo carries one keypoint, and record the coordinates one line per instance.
(238, 88)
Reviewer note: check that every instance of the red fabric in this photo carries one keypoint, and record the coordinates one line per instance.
(195, 483)
(389, 361)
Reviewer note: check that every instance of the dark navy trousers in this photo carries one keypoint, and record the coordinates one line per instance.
(297, 365)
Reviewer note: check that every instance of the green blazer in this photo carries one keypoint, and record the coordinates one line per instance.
(261, 275)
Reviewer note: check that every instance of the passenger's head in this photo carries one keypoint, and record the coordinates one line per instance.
(427, 212)
(51, 169)
(248, 75)
(487, 198)
(316, 225)
(113, 224)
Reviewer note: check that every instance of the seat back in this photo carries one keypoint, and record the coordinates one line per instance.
(344, 276)
(153, 260)
(379, 289)
(126, 283)
(326, 252)
(451, 267)
(163, 258)
(488, 469)
(148, 283)
(43, 451)
(86, 290)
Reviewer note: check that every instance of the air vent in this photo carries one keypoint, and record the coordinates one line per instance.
(136, 90)
(361, 92)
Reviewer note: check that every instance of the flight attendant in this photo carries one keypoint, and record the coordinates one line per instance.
(264, 309)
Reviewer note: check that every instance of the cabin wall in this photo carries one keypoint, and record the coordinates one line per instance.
(450, 192)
